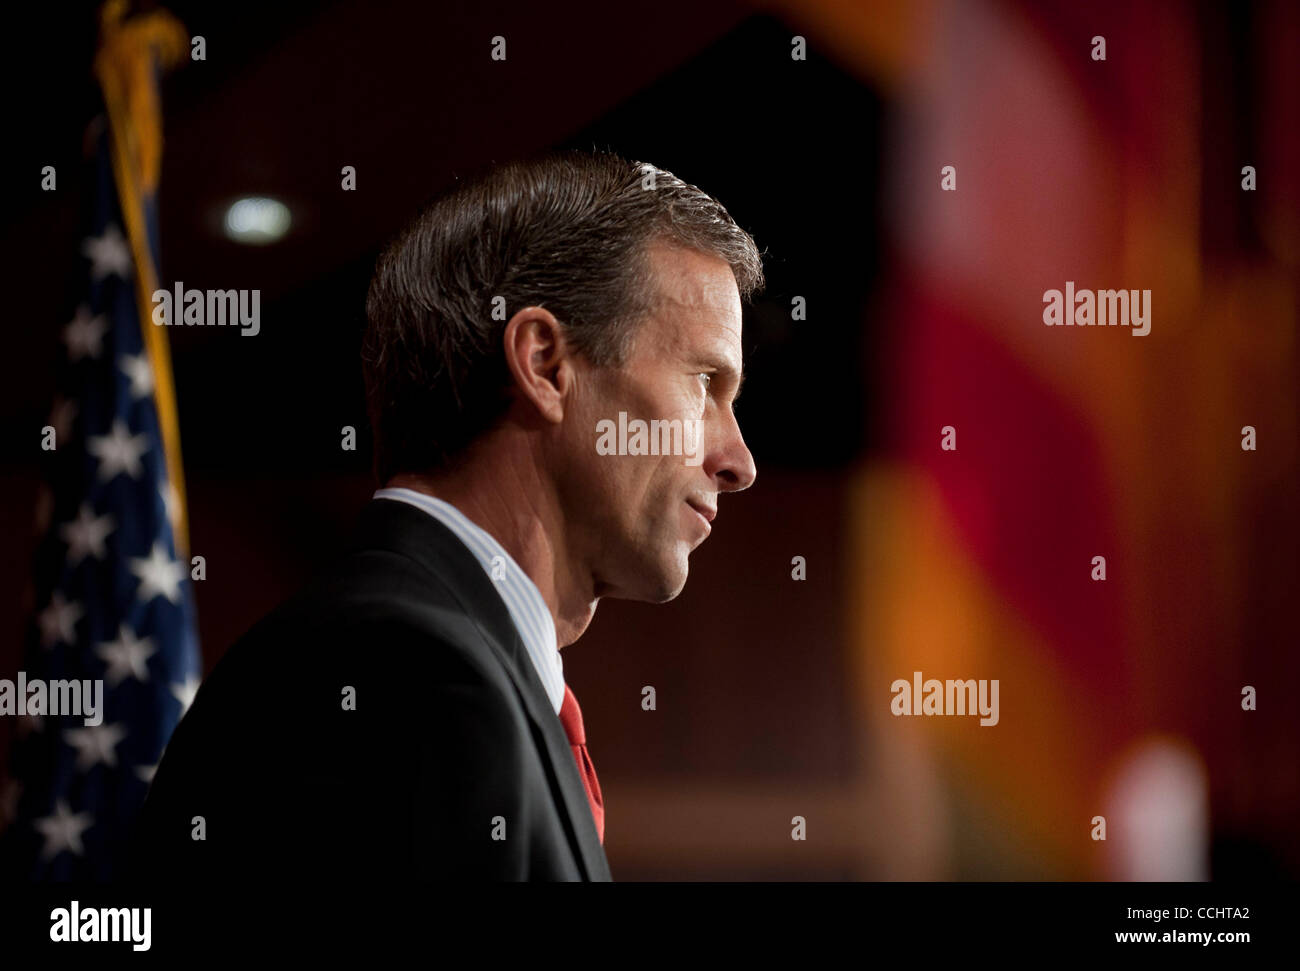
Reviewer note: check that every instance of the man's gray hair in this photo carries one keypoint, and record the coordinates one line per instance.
(568, 231)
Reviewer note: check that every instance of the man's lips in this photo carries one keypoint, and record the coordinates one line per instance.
(706, 512)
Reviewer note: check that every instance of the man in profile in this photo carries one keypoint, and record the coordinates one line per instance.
(407, 714)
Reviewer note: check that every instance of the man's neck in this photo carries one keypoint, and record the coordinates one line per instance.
(520, 515)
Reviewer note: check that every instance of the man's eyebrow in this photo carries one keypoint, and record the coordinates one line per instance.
(723, 367)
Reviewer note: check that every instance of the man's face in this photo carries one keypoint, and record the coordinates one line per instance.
(636, 518)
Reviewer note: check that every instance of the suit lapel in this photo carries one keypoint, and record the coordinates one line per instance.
(548, 730)
(402, 528)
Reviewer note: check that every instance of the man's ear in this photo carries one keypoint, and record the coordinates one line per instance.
(540, 360)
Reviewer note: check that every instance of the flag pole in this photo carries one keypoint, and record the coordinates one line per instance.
(130, 53)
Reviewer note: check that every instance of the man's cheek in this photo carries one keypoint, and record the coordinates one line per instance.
(693, 442)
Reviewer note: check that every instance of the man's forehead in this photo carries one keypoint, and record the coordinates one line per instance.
(697, 302)
(693, 279)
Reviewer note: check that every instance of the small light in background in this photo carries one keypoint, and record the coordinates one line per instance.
(257, 220)
(1158, 807)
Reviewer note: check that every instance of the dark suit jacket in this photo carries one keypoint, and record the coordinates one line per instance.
(452, 738)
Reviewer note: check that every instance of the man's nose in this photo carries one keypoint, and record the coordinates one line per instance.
(730, 464)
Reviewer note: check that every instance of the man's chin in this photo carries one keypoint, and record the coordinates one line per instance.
(667, 595)
(654, 584)
(673, 583)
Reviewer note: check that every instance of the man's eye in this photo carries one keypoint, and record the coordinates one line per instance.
(708, 378)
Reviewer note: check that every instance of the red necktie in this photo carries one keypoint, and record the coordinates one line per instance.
(571, 719)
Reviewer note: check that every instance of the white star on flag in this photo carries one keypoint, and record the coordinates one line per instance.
(139, 371)
(118, 451)
(84, 334)
(159, 574)
(58, 621)
(125, 656)
(85, 535)
(62, 830)
(95, 744)
(185, 692)
(107, 254)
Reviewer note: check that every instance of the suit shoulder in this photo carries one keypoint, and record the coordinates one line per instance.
(371, 607)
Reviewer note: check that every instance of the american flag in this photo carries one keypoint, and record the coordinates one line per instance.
(113, 577)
